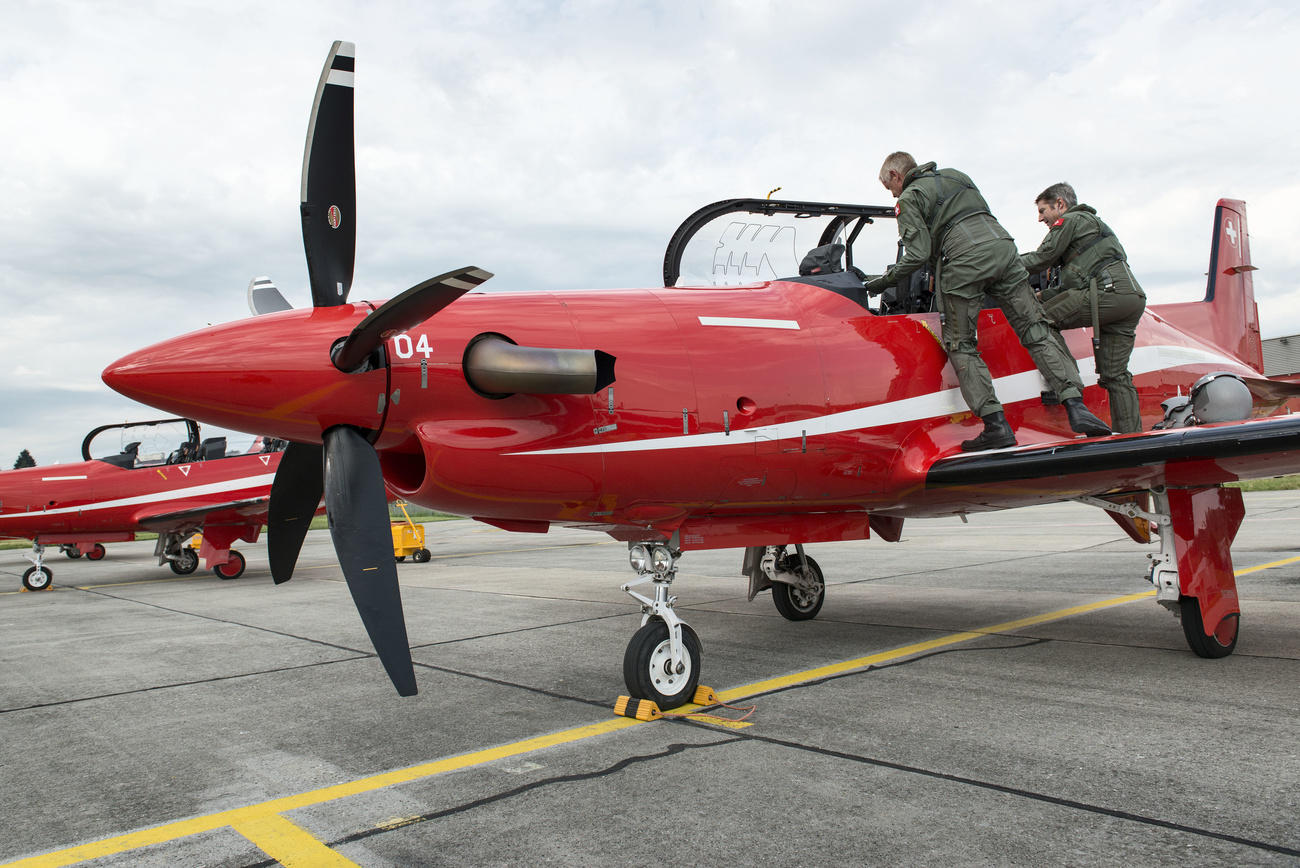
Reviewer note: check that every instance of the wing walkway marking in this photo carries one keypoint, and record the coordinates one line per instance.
(291, 845)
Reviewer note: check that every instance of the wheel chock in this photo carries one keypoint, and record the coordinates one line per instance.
(641, 709)
(706, 696)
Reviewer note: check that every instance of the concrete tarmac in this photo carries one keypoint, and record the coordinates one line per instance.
(1035, 714)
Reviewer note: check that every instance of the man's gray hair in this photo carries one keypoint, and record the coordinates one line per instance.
(899, 161)
(1061, 191)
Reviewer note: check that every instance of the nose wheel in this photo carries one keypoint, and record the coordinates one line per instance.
(662, 662)
(650, 671)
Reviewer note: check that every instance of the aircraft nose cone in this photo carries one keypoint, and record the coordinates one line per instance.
(270, 375)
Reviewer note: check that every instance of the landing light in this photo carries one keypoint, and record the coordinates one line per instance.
(639, 557)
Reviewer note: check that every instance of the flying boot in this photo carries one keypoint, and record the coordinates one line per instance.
(1082, 420)
(997, 434)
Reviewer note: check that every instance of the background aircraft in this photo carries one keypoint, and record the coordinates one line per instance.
(761, 416)
(158, 477)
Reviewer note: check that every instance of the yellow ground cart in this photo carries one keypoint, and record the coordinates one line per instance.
(408, 539)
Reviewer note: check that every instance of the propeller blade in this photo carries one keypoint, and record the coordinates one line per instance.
(401, 312)
(329, 182)
(357, 507)
(263, 297)
(295, 494)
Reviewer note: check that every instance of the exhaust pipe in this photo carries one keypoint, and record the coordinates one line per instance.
(497, 367)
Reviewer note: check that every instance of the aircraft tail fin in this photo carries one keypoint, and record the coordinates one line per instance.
(1228, 315)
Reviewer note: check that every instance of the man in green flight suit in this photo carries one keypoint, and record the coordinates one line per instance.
(1097, 289)
(943, 220)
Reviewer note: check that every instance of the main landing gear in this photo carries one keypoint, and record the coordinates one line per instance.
(1192, 573)
(37, 577)
(662, 662)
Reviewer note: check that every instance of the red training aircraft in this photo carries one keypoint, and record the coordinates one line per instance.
(760, 416)
(146, 484)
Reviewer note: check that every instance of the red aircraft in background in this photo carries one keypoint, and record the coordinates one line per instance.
(779, 411)
(143, 482)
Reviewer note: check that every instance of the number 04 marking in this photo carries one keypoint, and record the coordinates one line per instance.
(405, 349)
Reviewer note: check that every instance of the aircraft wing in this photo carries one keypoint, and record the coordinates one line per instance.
(180, 516)
(1193, 457)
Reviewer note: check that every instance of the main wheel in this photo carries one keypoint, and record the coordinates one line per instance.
(72, 552)
(795, 603)
(186, 563)
(231, 569)
(1220, 644)
(648, 670)
(97, 552)
(37, 578)
(422, 556)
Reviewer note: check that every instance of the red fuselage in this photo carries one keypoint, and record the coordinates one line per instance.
(95, 501)
(730, 404)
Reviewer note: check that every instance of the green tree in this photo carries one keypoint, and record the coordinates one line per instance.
(25, 459)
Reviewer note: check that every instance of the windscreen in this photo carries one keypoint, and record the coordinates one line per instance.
(740, 248)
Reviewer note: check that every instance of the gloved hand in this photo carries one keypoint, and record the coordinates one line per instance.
(877, 285)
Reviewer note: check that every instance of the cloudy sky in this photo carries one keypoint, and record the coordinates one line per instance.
(152, 151)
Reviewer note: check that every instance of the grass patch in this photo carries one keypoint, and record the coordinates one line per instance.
(1276, 483)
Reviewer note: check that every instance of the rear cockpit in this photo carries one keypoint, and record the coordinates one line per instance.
(834, 246)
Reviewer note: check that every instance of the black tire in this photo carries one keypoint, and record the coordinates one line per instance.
(796, 604)
(97, 552)
(186, 563)
(645, 661)
(231, 569)
(422, 556)
(1224, 640)
(72, 552)
(37, 578)
(399, 558)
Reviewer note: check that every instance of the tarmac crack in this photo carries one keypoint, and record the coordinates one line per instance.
(670, 750)
(1020, 792)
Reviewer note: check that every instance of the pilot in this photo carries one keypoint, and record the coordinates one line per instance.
(1097, 289)
(943, 219)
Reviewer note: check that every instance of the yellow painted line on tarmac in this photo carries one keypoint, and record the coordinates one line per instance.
(794, 678)
(290, 844)
(1280, 563)
(252, 817)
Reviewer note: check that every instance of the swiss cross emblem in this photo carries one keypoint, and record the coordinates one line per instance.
(1232, 233)
(334, 216)
(898, 206)
(1060, 221)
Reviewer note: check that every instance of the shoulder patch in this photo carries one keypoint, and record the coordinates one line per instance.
(898, 208)
(1060, 221)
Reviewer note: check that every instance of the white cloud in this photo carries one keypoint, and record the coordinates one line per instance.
(153, 161)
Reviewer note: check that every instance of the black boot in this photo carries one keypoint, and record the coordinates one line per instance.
(1082, 419)
(997, 434)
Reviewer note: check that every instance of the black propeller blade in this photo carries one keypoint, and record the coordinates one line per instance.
(357, 507)
(295, 494)
(329, 182)
(401, 312)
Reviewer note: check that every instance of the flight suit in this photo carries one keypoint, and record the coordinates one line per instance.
(943, 218)
(1092, 259)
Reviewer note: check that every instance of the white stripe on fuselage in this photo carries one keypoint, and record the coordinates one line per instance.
(264, 479)
(1016, 387)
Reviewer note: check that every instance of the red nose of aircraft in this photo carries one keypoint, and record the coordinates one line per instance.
(268, 375)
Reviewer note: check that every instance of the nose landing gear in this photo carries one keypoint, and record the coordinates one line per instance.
(662, 661)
